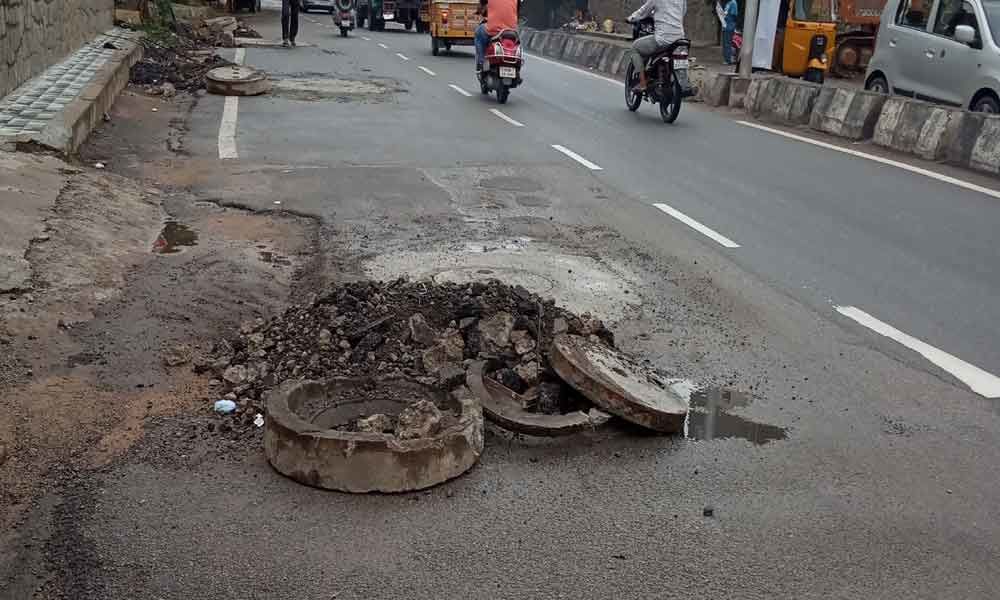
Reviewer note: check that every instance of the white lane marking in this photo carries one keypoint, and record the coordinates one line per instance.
(583, 161)
(383, 46)
(367, 39)
(401, 56)
(428, 71)
(577, 69)
(459, 90)
(885, 161)
(981, 382)
(511, 121)
(230, 114)
(707, 231)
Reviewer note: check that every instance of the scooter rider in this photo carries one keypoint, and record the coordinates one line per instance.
(668, 20)
(500, 15)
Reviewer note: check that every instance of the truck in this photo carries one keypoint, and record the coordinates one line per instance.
(857, 24)
(376, 12)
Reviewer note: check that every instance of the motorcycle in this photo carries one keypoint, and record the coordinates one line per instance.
(666, 76)
(502, 69)
(344, 17)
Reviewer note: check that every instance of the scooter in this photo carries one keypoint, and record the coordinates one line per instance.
(502, 69)
(344, 16)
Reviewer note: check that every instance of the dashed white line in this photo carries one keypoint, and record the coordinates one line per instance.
(402, 57)
(428, 71)
(981, 382)
(583, 161)
(704, 230)
(509, 120)
(885, 161)
(383, 46)
(459, 90)
(230, 114)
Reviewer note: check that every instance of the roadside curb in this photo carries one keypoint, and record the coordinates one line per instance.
(850, 114)
(976, 142)
(918, 128)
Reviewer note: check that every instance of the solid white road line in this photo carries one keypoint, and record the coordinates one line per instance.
(577, 69)
(583, 161)
(230, 114)
(509, 120)
(401, 56)
(981, 382)
(683, 218)
(428, 71)
(383, 46)
(885, 161)
(459, 90)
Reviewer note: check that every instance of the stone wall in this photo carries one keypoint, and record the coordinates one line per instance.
(700, 24)
(34, 34)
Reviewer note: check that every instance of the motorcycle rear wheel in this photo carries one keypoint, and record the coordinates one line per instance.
(670, 106)
(502, 93)
(632, 99)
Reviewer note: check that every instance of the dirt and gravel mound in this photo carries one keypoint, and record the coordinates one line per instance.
(422, 330)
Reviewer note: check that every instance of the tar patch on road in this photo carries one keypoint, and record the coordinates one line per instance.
(314, 89)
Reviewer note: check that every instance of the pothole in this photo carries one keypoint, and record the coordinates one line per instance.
(312, 89)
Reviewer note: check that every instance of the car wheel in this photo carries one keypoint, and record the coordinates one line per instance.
(877, 84)
(987, 103)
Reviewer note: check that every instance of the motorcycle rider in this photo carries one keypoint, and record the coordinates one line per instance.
(668, 20)
(499, 15)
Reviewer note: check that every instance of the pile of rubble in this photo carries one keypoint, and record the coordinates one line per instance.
(424, 331)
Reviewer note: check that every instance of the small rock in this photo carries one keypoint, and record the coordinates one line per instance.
(451, 375)
(167, 90)
(708, 511)
(325, 337)
(225, 407)
(345, 345)
(236, 374)
(177, 356)
(377, 423)
(420, 419)
(495, 332)
(420, 331)
(597, 417)
(510, 380)
(523, 342)
(559, 325)
(467, 322)
(3, 454)
(529, 372)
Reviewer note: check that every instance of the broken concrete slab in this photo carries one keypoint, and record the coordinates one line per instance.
(505, 407)
(302, 442)
(618, 384)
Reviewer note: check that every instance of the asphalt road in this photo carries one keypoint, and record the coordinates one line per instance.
(886, 479)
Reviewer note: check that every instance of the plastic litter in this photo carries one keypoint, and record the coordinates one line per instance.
(258, 420)
(225, 406)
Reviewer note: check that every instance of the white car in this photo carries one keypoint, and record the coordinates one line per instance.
(945, 51)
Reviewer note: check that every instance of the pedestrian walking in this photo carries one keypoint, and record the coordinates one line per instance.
(289, 21)
(731, 12)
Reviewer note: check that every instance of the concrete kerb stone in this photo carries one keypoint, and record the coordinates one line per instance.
(847, 113)
(555, 45)
(782, 100)
(312, 453)
(739, 89)
(714, 90)
(976, 142)
(70, 129)
(918, 128)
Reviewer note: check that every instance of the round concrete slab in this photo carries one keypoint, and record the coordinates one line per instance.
(236, 80)
(503, 407)
(617, 383)
(300, 442)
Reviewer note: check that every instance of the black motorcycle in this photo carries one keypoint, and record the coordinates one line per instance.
(667, 81)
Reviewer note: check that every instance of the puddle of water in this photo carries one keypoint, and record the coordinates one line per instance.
(173, 238)
(707, 418)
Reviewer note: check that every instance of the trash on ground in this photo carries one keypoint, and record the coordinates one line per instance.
(225, 406)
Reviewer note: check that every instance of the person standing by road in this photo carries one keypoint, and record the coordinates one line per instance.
(289, 21)
(668, 27)
(500, 15)
(731, 13)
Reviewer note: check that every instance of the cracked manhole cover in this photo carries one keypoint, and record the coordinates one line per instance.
(236, 80)
(618, 384)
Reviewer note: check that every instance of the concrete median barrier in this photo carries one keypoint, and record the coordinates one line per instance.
(846, 113)
(739, 87)
(781, 100)
(976, 143)
(918, 128)
(714, 89)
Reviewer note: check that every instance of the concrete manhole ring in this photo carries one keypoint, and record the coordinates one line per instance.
(501, 406)
(536, 283)
(236, 80)
(301, 441)
(618, 384)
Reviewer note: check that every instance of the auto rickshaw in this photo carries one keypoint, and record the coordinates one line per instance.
(453, 23)
(804, 40)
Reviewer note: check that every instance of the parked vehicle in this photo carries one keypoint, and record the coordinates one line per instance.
(945, 51)
(804, 39)
(424, 17)
(453, 24)
(323, 5)
(502, 69)
(666, 76)
(857, 22)
(251, 5)
(345, 16)
(377, 12)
